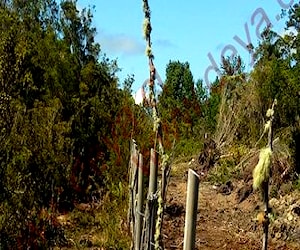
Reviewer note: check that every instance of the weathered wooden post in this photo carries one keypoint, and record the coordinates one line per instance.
(265, 184)
(157, 127)
(191, 210)
(266, 222)
(152, 196)
(140, 202)
(133, 174)
(262, 171)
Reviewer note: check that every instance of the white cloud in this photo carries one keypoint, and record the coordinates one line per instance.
(120, 44)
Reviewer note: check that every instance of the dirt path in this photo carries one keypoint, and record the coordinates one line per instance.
(222, 223)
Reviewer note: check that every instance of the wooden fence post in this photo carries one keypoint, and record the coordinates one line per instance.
(265, 185)
(140, 202)
(191, 210)
(133, 174)
(152, 196)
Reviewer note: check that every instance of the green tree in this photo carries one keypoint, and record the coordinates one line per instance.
(275, 75)
(211, 106)
(178, 101)
(201, 92)
(59, 100)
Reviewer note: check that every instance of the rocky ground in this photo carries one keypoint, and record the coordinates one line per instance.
(225, 223)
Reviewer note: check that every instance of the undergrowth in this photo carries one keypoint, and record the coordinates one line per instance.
(223, 172)
(104, 226)
(186, 148)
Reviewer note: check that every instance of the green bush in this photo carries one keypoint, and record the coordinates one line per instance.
(224, 171)
(186, 148)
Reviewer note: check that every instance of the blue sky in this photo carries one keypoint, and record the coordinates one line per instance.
(189, 31)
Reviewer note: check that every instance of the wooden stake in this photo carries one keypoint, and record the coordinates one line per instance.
(191, 210)
(266, 219)
(265, 185)
(152, 196)
(133, 172)
(140, 202)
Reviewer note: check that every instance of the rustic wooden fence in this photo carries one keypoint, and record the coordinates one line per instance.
(146, 202)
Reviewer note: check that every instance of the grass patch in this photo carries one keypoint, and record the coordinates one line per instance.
(179, 169)
(103, 227)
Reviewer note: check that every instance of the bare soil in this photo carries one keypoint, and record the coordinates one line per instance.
(222, 222)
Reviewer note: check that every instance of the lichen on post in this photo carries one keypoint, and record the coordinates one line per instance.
(261, 173)
(165, 166)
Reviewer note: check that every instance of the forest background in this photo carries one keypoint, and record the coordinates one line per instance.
(67, 120)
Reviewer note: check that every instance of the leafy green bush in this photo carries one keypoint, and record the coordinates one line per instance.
(223, 172)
